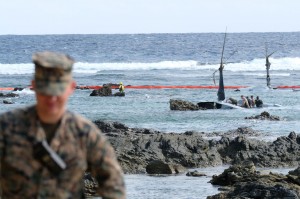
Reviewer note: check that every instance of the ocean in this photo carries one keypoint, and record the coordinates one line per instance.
(168, 59)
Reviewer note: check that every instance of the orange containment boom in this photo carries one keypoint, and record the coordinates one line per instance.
(287, 87)
(164, 87)
(7, 89)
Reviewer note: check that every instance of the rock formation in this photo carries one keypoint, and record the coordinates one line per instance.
(243, 181)
(9, 95)
(265, 116)
(181, 105)
(137, 147)
(106, 90)
(142, 150)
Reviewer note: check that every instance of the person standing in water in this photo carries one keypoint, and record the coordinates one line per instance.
(245, 103)
(258, 102)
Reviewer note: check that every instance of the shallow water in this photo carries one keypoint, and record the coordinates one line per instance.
(168, 59)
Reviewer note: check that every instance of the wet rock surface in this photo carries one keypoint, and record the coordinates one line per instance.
(241, 131)
(195, 174)
(181, 105)
(7, 101)
(141, 150)
(265, 116)
(160, 167)
(243, 181)
(106, 90)
(9, 95)
(137, 147)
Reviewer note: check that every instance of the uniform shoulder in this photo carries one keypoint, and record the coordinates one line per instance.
(16, 113)
(82, 121)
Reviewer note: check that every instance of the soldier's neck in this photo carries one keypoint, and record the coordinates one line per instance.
(49, 118)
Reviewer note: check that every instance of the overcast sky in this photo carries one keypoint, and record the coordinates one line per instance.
(147, 16)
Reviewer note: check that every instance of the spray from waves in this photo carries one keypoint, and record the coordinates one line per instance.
(254, 65)
(16, 69)
(286, 64)
(25, 91)
(259, 64)
(164, 65)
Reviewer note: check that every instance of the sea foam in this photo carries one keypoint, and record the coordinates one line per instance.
(286, 64)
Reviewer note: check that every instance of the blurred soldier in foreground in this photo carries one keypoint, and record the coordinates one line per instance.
(45, 149)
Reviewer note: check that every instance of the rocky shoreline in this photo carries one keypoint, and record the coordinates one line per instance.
(141, 151)
(137, 147)
(244, 181)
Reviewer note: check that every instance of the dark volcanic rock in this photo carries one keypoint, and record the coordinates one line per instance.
(195, 174)
(9, 95)
(181, 105)
(265, 116)
(241, 131)
(159, 167)
(18, 89)
(243, 181)
(6, 101)
(236, 173)
(104, 91)
(137, 147)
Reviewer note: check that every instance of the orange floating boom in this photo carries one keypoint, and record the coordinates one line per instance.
(287, 87)
(7, 89)
(164, 87)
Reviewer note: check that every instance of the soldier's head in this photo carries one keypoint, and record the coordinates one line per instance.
(53, 83)
(53, 72)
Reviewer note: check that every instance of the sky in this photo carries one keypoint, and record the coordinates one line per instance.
(32, 17)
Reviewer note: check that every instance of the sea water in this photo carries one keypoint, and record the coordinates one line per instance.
(168, 59)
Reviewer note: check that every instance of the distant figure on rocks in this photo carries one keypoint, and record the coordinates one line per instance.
(121, 87)
(258, 102)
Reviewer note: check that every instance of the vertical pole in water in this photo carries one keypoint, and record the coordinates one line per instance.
(268, 64)
(221, 90)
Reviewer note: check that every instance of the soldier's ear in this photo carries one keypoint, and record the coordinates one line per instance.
(72, 86)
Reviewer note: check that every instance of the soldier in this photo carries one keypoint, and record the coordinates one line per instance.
(45, 149)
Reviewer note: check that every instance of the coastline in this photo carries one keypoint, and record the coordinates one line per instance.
(137, 147)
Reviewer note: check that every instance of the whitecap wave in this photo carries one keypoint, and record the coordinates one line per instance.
(277, 64)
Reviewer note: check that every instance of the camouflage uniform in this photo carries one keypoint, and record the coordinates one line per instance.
(77, 141)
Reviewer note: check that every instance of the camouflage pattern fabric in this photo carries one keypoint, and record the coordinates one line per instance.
(52, 72)
(77, 141)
